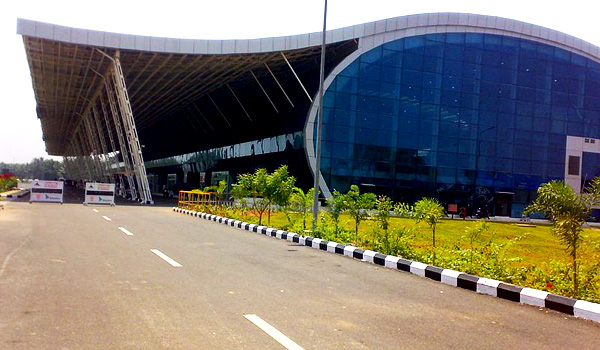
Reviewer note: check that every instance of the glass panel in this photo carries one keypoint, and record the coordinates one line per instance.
(501, 104)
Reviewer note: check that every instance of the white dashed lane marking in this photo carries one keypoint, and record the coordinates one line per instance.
(273, 332)
(95, 210)
(165, 258)
(125, 231)
(106, 218)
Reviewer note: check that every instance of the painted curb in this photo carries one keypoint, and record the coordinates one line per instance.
(15, 194)
(578, 308)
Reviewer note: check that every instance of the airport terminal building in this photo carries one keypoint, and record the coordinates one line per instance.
(473, 110)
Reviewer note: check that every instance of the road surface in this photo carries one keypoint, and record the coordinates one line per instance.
(139, 277)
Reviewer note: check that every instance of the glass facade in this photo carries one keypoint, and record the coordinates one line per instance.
(473, 119)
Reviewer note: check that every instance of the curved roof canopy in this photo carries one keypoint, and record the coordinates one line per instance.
(189, 95)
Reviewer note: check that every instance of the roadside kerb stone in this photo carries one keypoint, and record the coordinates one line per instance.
(578, 308)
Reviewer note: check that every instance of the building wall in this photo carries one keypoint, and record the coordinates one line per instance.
(470, 118)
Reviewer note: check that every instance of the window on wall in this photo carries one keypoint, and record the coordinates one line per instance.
(573, 167)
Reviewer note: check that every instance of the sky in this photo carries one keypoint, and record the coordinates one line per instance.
(20, 130)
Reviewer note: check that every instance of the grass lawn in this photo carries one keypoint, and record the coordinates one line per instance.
(528, 255)
(538, 245)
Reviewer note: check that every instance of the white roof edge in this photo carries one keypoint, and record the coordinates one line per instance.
(31, 28)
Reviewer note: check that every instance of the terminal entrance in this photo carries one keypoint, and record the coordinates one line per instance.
(503, 203)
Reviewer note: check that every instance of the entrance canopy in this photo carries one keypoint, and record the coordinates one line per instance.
(185, 95)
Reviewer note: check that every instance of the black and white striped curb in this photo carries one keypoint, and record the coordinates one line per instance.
(11, 194)
(577, 308)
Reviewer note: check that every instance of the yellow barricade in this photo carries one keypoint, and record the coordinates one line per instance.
(196, 200)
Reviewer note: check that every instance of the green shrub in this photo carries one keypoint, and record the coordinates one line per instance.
(8, 182)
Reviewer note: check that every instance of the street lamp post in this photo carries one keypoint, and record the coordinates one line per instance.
(320, 125)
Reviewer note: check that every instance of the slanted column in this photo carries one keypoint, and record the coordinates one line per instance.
(100, 134)
(83, 164)
(130, 131)
(70, 170)
(113, 147)
(85, 150)
(93, 145)
(122, 145)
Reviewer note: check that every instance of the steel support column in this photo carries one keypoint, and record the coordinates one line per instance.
(264, 91)
(296, 75)
(238, 100)
(218, 109)
(86, 150)
(278, 84)
(100, 133)
(130, 131)
(124, 153)
(93, 144)
(78, 148)
(113, 147)
(98, 152)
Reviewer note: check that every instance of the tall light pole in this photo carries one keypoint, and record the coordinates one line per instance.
(320, 125)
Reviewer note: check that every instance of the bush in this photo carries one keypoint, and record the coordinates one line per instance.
(8, 182)
(477, 252)
(395, 241)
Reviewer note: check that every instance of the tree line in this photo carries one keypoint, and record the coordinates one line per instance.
(38, 168)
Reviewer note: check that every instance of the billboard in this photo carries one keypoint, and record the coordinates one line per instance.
(99, 193)
(46, 191)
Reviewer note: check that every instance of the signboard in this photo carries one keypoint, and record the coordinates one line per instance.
(452, 208)
(46, 191)
(202, 179)
(99, 193)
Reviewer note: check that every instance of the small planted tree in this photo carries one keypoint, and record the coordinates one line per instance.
(220, 189)
(568, 211)
(474, 233)
(253, 186)
(431, 212)
(357, 204)
(384, 206)
(337, 207)
(220, 193)
(279, 189)
(302, 201)
(265, 189)
(382, 239)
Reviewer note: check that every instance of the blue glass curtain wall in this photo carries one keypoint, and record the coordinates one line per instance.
(458, 116)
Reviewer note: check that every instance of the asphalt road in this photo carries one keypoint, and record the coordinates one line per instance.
(70, 279)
